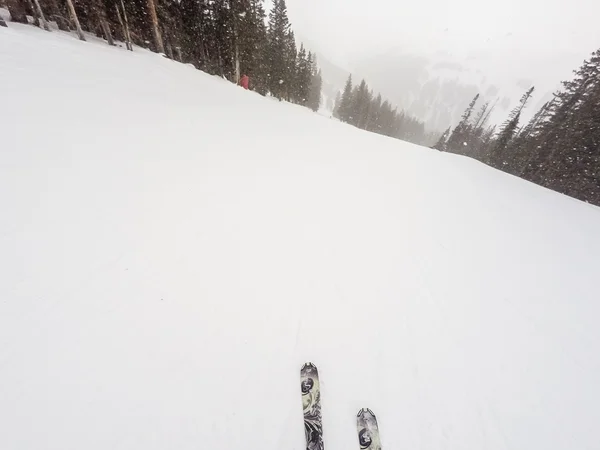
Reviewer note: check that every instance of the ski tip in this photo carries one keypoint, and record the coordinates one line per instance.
(363, 411)
(308, 365)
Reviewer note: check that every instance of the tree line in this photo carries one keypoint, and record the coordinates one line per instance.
(222, 37)
(358, 106)
(559, 148)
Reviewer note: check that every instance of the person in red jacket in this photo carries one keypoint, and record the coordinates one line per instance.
(244, 81)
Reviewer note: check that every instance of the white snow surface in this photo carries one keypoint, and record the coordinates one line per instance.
(173, 249)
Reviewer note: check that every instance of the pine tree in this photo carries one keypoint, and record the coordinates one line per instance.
(303, 76)
(554, 135)
(290, 73)
(375, 124)
(363, 101)
(359, 105)
(314, 98)
(336, 107)
(278, 49)
(524, 153)
(481, 117)
(571, 160)
(460, 134)
(501, 153)
(194, 32)
(506, 134)
(252, 38)
(441, 143)
(346, 101)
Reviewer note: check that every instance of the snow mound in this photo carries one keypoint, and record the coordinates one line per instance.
(173, 249)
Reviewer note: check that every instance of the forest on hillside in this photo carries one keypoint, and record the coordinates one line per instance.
(228, 38)
(559, 148)
(359, 106)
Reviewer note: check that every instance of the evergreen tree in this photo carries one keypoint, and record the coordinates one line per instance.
(278, 53)
(346, 101)
(460, 134)
(441, 143)
(360, 105)
(375, 123)
(314, 98)
(254, 61)
(480, 119)
(194, 25)
(506, 134)
(290, 73)
(570, 161)
(304, 76)
(336, 107)
(522, 154)
(501, 150)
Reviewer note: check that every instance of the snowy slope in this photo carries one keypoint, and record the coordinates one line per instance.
(173, 248)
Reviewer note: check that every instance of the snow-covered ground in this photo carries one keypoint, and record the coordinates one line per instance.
(174, 248)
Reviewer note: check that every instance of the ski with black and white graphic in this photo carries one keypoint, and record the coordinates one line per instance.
(368, 431)
(311, 405)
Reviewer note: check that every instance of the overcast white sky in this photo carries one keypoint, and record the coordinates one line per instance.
(345, 30)
(344, 25)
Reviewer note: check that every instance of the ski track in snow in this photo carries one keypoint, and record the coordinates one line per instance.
(174, 248)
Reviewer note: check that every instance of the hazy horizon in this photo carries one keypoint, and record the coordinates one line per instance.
(508, 45)
(345, 31)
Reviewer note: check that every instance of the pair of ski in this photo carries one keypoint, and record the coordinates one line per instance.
(366, 422)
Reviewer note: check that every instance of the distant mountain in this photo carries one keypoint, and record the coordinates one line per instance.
(438, 88)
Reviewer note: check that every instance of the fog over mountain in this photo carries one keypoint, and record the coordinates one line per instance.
(431, 57)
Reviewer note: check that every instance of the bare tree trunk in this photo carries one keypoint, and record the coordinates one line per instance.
(99, 15)
(40, 13)
(155, 29)
(17, 11)
(237, 64)
(127, 26)
(178, 52)
(31, 7)
(107, 32)
(168, 48)
(75, 19)
(124, 29)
